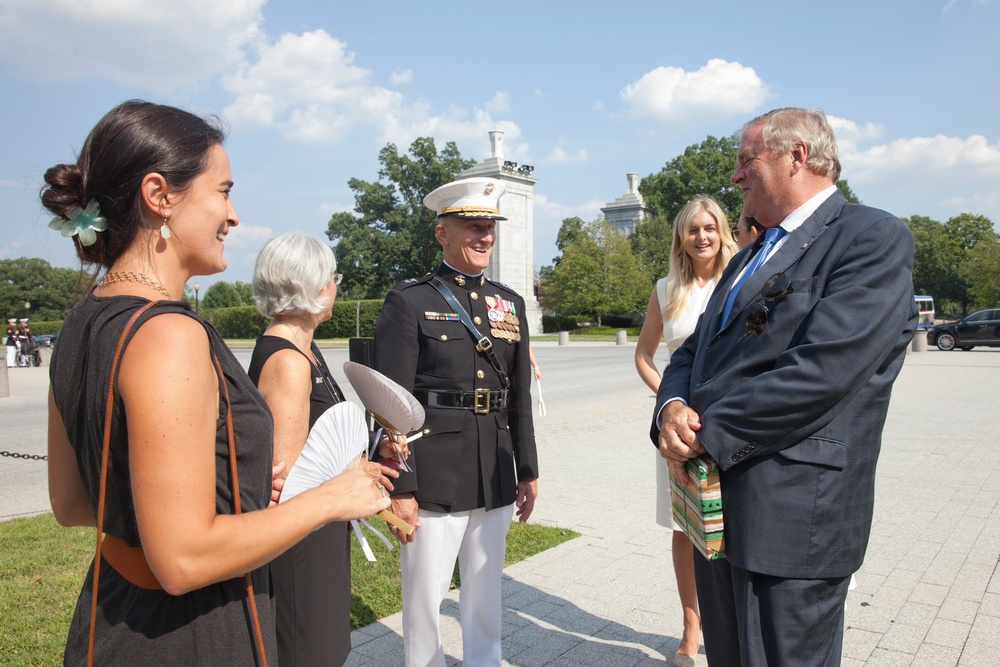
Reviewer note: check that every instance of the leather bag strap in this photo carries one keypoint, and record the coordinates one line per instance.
(483, 344)
(105, 451)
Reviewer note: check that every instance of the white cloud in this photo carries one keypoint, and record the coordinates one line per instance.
(847, 131)
(717, 92)
(159, 47)
(308, 87)
(553, 211)
(499, 103)
(939, 159)
(559, 155)
(951, 3)
(938, 176)
(249, 236)
(327, 209)
(402, 77)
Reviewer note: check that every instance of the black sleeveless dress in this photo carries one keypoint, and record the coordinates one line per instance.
(136, 626)
(312, 580)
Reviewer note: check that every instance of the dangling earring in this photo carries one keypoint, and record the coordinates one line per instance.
(164, 230)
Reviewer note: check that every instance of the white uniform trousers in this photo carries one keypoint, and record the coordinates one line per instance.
(11, 354)
(478, 539)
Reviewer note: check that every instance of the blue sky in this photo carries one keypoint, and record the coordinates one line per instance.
(585, 92)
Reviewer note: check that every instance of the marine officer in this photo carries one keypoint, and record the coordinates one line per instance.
(459, 343)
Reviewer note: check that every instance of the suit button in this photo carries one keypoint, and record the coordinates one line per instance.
(508, 427)
(480, 374)
(477, 319)
(426, 431)
(704, 377)
(752, 445)
(444, 336)
(473, 295)
(735, 457)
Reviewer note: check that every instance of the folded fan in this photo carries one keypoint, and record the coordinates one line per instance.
(392, 406)
(336, 444)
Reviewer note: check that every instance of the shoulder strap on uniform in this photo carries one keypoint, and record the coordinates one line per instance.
(483, 344)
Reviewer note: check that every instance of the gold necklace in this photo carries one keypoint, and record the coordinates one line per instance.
(130, 277)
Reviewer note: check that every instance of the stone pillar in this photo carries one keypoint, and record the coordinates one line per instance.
(513, 260)
(629, 209)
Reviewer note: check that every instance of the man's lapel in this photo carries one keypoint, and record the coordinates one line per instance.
(785, 257)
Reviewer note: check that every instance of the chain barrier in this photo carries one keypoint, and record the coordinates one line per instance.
(31, 457)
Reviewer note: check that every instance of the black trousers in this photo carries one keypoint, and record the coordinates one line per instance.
(755, 620)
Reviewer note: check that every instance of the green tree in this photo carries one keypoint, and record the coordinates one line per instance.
(598, 273)
(703, 169)
(651, 242)
(245, 290)
(392, 235)
(846, 190)
(968, 230)
(952, 260)
(935, 260)
(51, 291)
(222, 295)
(571, 230)
(981, 270)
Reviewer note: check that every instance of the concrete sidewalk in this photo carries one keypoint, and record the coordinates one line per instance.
(928, 593)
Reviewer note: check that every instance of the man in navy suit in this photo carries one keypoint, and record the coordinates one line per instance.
(785, 384)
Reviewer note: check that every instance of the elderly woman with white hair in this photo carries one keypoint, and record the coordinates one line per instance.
(295, 284)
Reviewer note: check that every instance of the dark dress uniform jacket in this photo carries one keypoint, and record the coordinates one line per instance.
(464, 460)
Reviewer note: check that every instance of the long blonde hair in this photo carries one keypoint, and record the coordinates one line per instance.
(681, 274)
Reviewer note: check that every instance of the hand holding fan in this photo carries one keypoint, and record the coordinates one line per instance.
(336, 444)
(392, 406)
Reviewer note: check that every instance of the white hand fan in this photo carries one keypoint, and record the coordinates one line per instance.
(392, 406)
(335, 444)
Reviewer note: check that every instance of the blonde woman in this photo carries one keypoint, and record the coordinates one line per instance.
(702, 246)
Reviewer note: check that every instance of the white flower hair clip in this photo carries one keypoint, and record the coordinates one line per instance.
(85, 222)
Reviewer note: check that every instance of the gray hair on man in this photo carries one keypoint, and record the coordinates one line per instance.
(783, 128)
(291, 270)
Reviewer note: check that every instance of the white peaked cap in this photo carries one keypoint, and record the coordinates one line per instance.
(468, 198)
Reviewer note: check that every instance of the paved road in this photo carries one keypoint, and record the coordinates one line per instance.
(928, 594)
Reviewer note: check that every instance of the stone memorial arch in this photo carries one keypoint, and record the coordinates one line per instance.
(628, 210)
(513, 260)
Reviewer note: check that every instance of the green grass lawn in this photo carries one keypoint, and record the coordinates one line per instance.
(43, 565)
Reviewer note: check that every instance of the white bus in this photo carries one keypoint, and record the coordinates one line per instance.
(925, 306)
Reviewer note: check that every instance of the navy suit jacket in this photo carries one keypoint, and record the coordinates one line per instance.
(794, 416)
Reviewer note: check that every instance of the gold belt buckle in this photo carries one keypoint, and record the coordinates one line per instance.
(484, 396)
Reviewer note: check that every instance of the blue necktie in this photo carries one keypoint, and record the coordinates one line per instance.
(771, 237)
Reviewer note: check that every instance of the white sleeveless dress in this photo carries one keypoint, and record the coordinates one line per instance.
(675, 332)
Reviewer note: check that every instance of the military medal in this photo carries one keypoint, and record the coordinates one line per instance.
(504, 323)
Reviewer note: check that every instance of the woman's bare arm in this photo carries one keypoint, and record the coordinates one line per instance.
(67, 495)
(649, 340)
(170, 390)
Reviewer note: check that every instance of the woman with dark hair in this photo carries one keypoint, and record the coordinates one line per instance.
(701, 248)
(181, 479)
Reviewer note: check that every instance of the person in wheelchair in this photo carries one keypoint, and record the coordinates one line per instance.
(27, 352)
